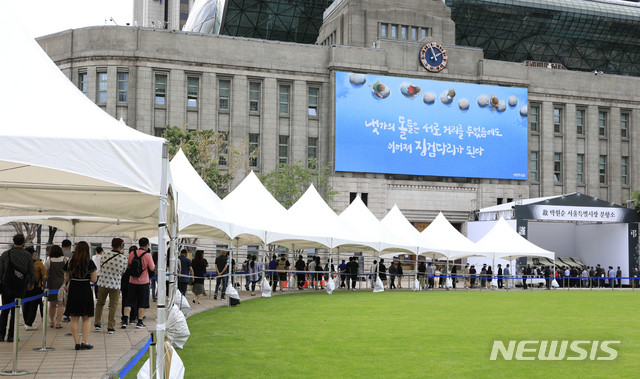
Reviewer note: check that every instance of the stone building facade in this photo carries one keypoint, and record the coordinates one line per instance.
(583, 128)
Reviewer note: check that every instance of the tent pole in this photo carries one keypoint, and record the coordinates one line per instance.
(416, 265)
(73, 232)
(162, 279)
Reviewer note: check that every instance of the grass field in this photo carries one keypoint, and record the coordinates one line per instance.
(410, 334)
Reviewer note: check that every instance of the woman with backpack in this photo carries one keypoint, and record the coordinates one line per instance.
(80, 272)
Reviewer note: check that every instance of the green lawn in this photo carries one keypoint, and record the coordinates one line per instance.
(410, 334)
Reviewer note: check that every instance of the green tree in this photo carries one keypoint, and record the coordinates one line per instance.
(289, 182)
(635, 196)
(211, 154)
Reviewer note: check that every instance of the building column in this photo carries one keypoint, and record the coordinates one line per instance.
(592, 154)
(570, 150)
(614, 158)
(545, 160)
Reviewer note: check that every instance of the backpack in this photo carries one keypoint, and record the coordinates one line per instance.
(135, 268)
(245, 266)
(13, 277)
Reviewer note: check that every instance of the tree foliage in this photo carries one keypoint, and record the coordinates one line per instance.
(211, 154)
(289, 182)
(635, 196)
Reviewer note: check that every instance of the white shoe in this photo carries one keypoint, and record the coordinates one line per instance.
(29, 327)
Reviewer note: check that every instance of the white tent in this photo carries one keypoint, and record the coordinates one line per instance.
(397, 224)
(200, 211)
(322, 226)
(89, 225)
(447, 240)
(60, 154)
(359, 218)
(502, 242)
(254, 211)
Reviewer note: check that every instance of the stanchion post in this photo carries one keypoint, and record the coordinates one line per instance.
(152, 355)
(209, 296)
(44, 324)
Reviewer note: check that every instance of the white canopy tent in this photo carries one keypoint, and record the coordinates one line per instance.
(89, 225)
(60, 154)
(447, 241)
(200, 211)
(322, 226)
(377, 237)
(502, 242)
(397, 224)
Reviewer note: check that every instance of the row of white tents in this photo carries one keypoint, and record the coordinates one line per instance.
(67, 163)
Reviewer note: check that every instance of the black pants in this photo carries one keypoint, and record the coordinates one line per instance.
(182, 287)
(342, 279)
(133, 315)
(300, 278)
(392, 285)
(499, 281)
(30, 309)
(524, 283)
(8, 296)
(354, 280)
(431, 282)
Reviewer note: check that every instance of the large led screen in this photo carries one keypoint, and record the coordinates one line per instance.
(394, 125)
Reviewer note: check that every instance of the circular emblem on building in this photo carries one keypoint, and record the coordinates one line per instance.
(433, 57)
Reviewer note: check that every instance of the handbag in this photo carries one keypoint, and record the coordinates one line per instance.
(63, 294)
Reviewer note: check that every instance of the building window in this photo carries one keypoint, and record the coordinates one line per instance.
(123, 86)
(312, 152)
(624, 166)
(624, 125)
(557, 167)
(224, 92)
(580, 169)
(423, 33)
(403, 32)
(602, 124)
(394, 31)
(533, 118)
(158, 132)
(383, 30)
(283, 149)
(603, 169)
(534, 166)
(313, 101)
(254, 144)
(193, 90)
(82, 82)
(283, 99)
(223, 151)
(580, 113)
(254, 97)
(161, 89)
(414, 34)
(102, 88)
(557, 120)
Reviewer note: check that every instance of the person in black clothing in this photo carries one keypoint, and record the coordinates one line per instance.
(16, 259)
(342, 268)
(382, 272)
(353, 267)
(454, 273)
(300, 266)
(392, 274)
(422, 269)
(399, 272)
(499, 276)
(222, 268)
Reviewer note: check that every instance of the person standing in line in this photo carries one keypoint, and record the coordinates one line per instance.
(96, 261)
(66, 248)
(636, 276)
(186, 272)
(113, 265)
(500, 282)
(311, 268)
(124, 288)
(55, 277)
(374, 272)
(80, 272)
(318, 273)
(17, 275)
(507, 275)
(342, 267)
(399, 272)
(382, 272)
(222, 268)
(154, 277)
(466, 273)
(254, 270)
(392, 275)
(245, 268)
(483, 276)
(300, 268)
(283, 267)
(138, 292)
(354, 271)
(619, 277)
(430, 276)
(612, 275)
(472, 276)
(422, 270)
(585, 277)
(30, 309)
(273, 275)
(199, 265)
(454, 275)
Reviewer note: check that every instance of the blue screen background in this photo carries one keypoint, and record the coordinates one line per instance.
(365, 144)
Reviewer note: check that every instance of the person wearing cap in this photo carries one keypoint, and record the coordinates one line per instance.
(111, 265)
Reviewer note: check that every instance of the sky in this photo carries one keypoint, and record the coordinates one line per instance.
(42, 17)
